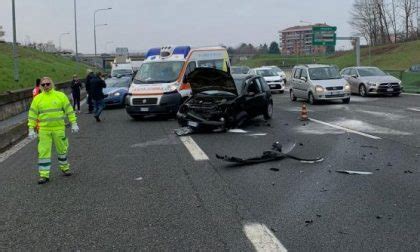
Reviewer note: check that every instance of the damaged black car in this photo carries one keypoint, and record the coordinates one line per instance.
(220, 101)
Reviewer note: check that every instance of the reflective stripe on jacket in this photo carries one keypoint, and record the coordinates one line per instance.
(50, 109)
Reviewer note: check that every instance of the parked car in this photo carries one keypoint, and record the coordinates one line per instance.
(280, 72)
(414, 69)
(318, 83)
(116, 90)
(239, 69)
(274, 81)
(371, 80)
(219, 101)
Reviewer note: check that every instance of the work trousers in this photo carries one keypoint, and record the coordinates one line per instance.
(76, 100)
(45, 141)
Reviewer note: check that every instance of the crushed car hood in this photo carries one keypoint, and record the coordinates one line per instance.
(205, 79)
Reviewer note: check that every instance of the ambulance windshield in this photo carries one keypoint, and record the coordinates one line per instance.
(158, 72)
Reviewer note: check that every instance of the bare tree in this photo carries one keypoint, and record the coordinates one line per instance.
(408, 10)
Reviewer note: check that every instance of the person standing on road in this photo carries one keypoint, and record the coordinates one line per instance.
(37, 89)
(88, 90)
(76, 85)
(97, 86)
(50, 108)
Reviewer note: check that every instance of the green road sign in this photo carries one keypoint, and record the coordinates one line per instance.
(324, 35)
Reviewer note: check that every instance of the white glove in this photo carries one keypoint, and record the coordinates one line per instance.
(74, 128)
(32, 135)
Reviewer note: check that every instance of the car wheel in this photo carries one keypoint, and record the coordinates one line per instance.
(268, 114)
(346, 101)
(362, 90)
(292, 96)
(311, 99)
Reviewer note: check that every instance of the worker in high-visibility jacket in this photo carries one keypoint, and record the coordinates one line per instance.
(50, 108)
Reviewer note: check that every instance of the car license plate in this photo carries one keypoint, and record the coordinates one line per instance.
(144, 109)
(192, 124)
(390, 90)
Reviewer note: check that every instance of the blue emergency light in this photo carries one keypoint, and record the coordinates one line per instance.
(182, 50)
(153, 52)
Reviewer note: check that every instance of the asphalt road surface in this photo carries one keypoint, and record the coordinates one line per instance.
(138, 186)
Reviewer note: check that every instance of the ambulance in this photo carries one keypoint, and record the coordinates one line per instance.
(159, 86)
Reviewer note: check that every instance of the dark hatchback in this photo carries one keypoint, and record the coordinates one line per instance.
(221, 101)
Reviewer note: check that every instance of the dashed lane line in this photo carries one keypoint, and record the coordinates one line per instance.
(262, 238)
(414, 109)
(196, 152)
(346, 129)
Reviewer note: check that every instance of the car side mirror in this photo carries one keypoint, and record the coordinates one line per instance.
(304, 78)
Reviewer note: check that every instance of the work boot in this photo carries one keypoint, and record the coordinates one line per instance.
(43, 180)
(97, 119)
(66, 173)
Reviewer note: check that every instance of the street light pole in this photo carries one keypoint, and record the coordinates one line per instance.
(16, 70)
(75, 30)
(59, 39)
(94, 27)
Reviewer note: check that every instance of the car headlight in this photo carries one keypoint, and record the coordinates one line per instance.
(117, 94)
(319, 89)
(170, 88)
(347, 87)
(372, 84)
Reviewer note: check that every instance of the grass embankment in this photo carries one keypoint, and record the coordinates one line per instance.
(34, 64)
(394, 58)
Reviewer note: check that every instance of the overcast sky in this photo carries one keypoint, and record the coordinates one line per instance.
(141, 24)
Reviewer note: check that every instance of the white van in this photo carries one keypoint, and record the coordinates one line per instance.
(159, 86)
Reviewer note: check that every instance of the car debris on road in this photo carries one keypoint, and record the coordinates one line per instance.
(354, 172)
(275, 154)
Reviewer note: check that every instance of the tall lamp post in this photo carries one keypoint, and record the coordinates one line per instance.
(94, 26)
(16, 69)
(75, 30)
(59, 39)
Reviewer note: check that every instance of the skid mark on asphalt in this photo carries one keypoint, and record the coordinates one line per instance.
(388, 116)
(345, 129)
(196, 152)
(171, 140)
(5, 155)
(262, 238)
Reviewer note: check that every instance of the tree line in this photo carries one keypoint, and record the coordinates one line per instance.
(250, 49)
(385, 21)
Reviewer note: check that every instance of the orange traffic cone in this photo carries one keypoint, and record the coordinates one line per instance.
(304, 113)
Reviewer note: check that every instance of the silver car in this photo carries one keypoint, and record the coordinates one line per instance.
(318, 82)
(371, 80)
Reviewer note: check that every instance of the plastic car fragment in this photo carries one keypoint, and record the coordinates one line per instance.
(275, 154)
(354, 172)
(183, 131)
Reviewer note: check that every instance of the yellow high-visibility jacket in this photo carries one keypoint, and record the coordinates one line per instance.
(50, 109)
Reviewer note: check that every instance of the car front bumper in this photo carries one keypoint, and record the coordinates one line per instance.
(114, 101)
(276, 86)
(384, 91)
(332, 96)
(168, 104)
(198, 123)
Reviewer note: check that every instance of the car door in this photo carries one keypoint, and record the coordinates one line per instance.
(353, 80)
(296, 83)
(304, 83)
(254, 97)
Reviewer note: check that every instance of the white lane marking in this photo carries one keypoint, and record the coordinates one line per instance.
(414, 109)
(262, 238)
(345, 129)
(257, 134)
(237, 131)
(411, 94)
(196, 152)
(5, 155)
(139, 179)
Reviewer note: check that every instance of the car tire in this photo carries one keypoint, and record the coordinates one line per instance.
(292, 95)
(311, 99)
(346, 101)
(362, 90)
(268, 114)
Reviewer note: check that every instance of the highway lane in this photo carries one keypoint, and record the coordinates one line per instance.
(136, 185)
